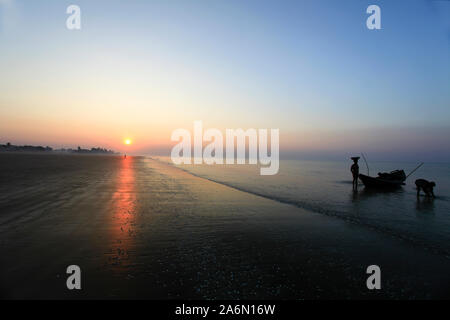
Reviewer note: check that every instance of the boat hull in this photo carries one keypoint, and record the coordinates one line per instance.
(378, 183)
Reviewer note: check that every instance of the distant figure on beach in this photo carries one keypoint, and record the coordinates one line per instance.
(426, 186)
(125, 156)
(355, 172)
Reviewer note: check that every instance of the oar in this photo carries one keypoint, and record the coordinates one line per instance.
(414, 170)
(366, 163)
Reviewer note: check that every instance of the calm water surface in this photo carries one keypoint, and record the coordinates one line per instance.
(325, 187)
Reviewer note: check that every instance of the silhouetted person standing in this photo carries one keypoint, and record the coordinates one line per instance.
(355, 172)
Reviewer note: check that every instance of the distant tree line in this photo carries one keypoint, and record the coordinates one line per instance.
(13, 148)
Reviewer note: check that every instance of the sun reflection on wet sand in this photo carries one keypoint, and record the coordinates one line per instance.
(123, 217)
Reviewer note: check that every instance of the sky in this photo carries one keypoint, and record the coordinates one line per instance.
(312, 69)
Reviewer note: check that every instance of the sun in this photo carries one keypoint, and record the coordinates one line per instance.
(127, 141)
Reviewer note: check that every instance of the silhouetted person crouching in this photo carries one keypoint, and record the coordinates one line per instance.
(426, 186)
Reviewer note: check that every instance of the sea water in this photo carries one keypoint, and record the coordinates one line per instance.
(325, 187)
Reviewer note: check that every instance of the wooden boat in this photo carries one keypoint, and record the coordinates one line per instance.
(393, 179)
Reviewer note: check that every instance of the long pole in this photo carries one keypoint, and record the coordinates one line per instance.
(414, 170)
(366, 163)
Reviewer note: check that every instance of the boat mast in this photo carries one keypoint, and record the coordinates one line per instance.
(366, 163)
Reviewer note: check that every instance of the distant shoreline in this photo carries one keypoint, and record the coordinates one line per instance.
(10, 148)
(55, 153)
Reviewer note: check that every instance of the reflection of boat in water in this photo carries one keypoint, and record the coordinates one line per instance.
(393, 179)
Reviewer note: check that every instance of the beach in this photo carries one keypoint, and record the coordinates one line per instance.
(140, 228)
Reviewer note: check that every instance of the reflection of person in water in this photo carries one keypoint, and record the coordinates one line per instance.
(355, 172)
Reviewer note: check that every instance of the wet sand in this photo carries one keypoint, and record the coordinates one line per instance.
(139, 228)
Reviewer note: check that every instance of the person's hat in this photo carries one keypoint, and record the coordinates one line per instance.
(355, 158)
